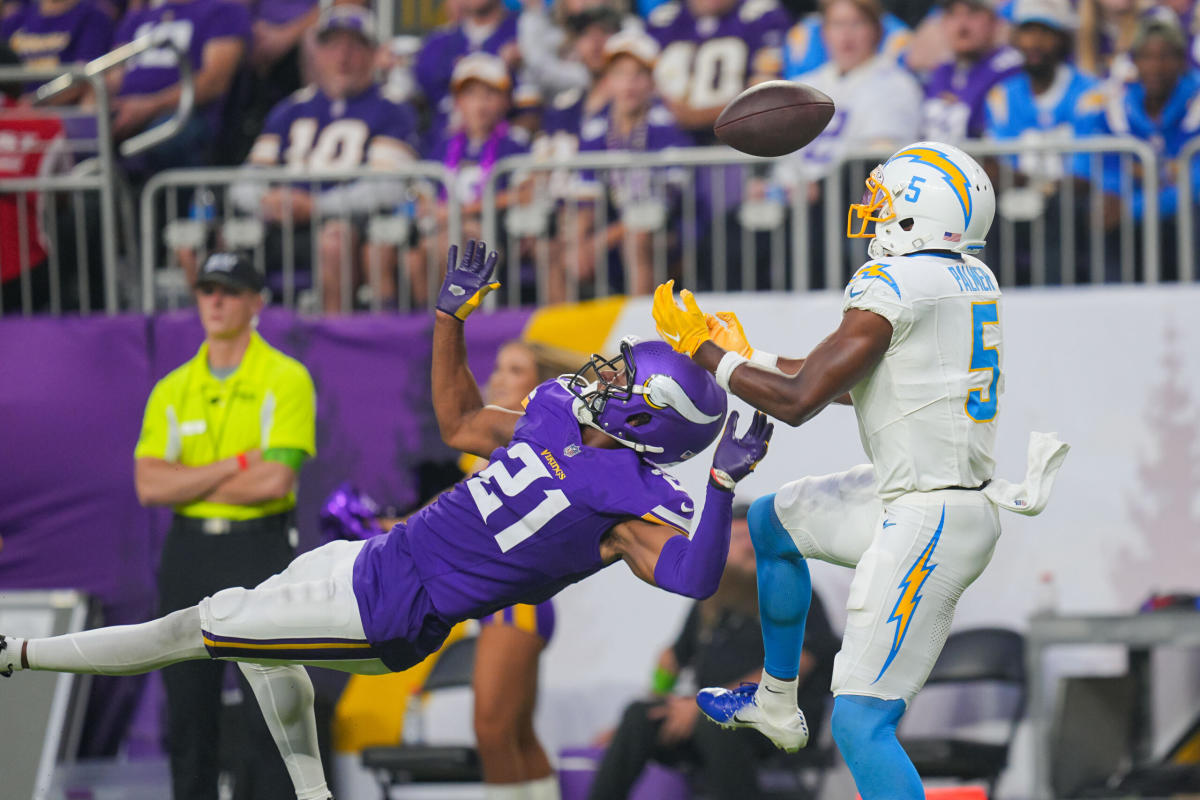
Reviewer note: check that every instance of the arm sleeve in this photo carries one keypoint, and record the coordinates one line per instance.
(152, 441)
(293, 424)
(684, 647)
(693, 568)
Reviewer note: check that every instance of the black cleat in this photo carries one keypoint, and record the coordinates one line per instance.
(7, 671)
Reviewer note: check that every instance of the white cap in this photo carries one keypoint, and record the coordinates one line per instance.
(486, 68)
(1056, 14)
(632, 42)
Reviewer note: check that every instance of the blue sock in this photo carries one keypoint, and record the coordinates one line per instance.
(784, 590)
(865, 731)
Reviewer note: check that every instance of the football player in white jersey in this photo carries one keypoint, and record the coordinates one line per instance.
(918, 354)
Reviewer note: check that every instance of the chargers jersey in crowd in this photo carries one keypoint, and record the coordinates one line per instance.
(520, 530)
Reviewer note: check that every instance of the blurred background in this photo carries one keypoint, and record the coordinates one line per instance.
(342, 148)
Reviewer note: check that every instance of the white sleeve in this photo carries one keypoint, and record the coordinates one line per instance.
(883, 298)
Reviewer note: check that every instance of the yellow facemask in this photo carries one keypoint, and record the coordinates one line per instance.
(875, 207)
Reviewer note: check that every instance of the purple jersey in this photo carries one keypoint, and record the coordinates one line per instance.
(472, 161)
(657, 131)
(445, 46)
(80, 33)
(707, 61)
(280, 12)
(311, 131)
(956, 95)
(191, 25)
(526, 526)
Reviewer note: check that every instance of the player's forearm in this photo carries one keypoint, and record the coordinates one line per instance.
(162, 483)
(790, 366)
(456, 395)
(785, 397)
(261, 483)
(693, 568)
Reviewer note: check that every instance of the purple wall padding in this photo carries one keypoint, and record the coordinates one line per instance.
(72, 393)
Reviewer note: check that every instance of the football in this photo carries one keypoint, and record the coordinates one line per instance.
(774, 118)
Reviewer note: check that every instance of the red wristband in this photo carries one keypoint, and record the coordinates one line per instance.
(243, 464)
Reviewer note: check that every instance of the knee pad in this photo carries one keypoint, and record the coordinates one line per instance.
(858, 720)
(767, 532)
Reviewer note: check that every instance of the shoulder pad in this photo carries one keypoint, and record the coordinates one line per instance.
(660, 116)
(665, 14)
(753, 10)
(564, 100)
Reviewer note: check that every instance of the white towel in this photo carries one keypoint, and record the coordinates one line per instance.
(1029, 497)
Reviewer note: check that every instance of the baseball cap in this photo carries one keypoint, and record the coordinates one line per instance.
(634, 43)
(230, 269)
(355, 19)
(486, 68)
(1055, 14)
(1159, 22)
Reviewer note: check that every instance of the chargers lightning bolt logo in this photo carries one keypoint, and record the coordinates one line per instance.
(953, 174)
(873, 272)
(910, 594)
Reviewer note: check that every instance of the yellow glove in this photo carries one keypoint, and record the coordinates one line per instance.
(682, 328)
(726, 332)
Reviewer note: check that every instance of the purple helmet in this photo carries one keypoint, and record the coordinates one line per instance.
(651, 399)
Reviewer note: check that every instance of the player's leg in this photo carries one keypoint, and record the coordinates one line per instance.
(832, 518)
(899, 610)
(285, 696)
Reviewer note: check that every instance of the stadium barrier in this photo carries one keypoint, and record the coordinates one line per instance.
(186, 212)
(1189, 223)
(48, 210)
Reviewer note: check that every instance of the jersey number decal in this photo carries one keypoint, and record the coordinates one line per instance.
(984, 358)
(339, 145)
(511, 485)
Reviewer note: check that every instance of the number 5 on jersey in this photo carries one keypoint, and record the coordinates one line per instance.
(984, 358)
(511, 485)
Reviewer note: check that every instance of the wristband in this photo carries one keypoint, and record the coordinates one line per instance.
(729, 362)
(243, 464)
(764, 359)
(662, 681)
(721, 479)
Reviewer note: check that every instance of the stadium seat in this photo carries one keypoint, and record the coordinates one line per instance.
(425, 763)
(981, 673)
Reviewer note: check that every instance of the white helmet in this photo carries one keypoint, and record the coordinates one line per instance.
(928, 196)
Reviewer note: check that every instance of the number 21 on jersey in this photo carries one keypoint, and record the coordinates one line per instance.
(496, 478)
(984, 358)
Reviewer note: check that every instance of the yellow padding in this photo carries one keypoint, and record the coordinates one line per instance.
(582, 327)
(370, 712)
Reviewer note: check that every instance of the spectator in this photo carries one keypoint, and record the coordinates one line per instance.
(343, 120)
(711, 51)
(639, 201)
(721, 644)
(1106, 29)
(481, 88)
(1162, 107)
(213, 34)
(1188, 12)
(563, 115)
(47, 33)
(545, 36)
(956, 92)
(804, 48)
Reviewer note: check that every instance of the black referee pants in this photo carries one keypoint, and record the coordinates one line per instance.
(193, 566)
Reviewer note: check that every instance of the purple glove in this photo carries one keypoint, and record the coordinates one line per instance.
(349, 514)
(466, 285)
(736, 458)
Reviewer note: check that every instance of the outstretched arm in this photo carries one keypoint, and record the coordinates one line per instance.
(465, 423)
(664, 558)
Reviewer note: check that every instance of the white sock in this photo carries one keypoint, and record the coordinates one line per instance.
(544, 788)
(285, 695)
(121, 649)
(777, 698)
(10, 656)
(506, 791)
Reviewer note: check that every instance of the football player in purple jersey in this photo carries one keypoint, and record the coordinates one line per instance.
(574, 483)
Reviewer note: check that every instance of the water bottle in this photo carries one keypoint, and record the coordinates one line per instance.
(204, 206)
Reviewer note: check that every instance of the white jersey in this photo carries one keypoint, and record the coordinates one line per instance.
(927, 412)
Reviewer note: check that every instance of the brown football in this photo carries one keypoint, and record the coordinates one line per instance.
(774, 118)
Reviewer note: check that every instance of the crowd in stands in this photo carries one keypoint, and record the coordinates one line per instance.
(287, 82)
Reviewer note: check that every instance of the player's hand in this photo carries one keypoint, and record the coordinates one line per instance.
(467, 284)
(682, 328)
(726, 332)
(735, 457)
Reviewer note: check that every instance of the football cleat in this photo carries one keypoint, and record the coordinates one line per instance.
(8, 669)
(736, 708)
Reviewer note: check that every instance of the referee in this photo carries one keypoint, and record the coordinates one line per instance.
(223, 439)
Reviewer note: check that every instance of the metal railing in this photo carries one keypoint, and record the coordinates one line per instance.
(98, 175)
(1186, 215)
(392, 214)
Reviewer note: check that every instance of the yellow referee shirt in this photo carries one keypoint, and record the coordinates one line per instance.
(192, 418)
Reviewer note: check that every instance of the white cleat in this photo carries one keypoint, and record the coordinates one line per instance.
(737, 708)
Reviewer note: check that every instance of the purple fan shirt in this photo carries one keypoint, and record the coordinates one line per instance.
(445, 46)
(472, 162)
(80, 33)
(192, 25)
(707, 61)
(526, 526)
(955, 105)
(658, 132)
(280, 12)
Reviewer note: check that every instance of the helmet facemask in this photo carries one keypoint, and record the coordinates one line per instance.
(602, 378)
(876, 206)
